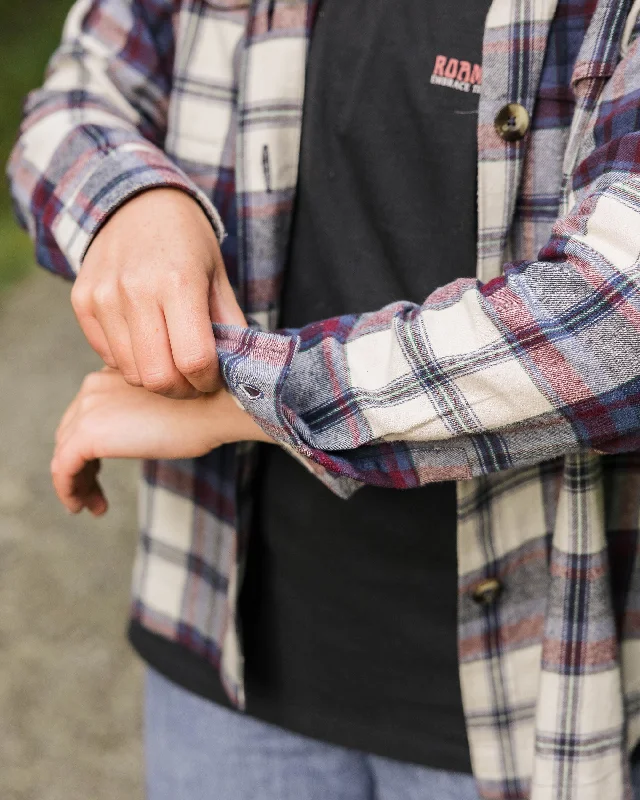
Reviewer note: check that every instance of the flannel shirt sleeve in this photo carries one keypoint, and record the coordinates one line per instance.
(542, 361)
(92, 135)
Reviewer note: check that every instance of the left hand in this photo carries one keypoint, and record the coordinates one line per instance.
(111, 419)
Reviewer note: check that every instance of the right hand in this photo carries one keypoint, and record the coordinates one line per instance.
(150, 285)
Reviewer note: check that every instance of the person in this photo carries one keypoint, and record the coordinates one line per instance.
(336, 144)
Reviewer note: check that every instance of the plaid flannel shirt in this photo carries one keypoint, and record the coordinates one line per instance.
(522, 384)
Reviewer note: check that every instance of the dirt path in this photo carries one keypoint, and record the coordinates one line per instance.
(69, 686)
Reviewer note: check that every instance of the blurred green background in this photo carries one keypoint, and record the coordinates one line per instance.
(70, 687)
(29, 32)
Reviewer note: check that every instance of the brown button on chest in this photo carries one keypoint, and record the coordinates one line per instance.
(487, 591)
(512, 122)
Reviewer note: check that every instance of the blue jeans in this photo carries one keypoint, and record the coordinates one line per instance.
(196, 750)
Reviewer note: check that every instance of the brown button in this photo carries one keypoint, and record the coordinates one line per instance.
(487, 591)
(512, 122)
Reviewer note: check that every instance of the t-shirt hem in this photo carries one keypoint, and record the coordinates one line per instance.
(197, 675)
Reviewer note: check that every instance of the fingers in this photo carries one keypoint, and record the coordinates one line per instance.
(75, 481)
(169, 351)
(87, 492)
(73, 470)
(193, 349)
(152, 352)
(223, 305)
(116, 331)
(96, 338)
(83, 307)
(96, 503)
(99, 310)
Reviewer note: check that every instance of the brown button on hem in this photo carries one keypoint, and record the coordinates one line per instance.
(487, 591)
(512, 122)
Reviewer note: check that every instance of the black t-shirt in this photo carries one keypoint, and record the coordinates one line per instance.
(349, 608)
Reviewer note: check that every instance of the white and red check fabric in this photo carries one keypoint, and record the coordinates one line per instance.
(509, 383)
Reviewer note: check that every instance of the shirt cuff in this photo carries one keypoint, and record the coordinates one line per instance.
(118, 176)
(255, 366)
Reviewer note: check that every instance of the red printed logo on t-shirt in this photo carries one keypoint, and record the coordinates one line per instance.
(456, 74)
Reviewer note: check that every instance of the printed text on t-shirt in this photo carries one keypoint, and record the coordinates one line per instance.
(456, 74)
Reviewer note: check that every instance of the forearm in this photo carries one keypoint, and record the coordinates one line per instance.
(540, 362)
(92, 135)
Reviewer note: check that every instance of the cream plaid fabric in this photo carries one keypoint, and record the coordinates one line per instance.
(208, 97)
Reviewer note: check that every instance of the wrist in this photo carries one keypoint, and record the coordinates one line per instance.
(226, 422)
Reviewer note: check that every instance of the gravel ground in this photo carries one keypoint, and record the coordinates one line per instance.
(69, 685)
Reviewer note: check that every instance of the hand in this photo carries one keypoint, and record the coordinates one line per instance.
(150, 285)
(111, 419)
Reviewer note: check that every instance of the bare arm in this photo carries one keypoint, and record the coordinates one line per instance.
(111, 419)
